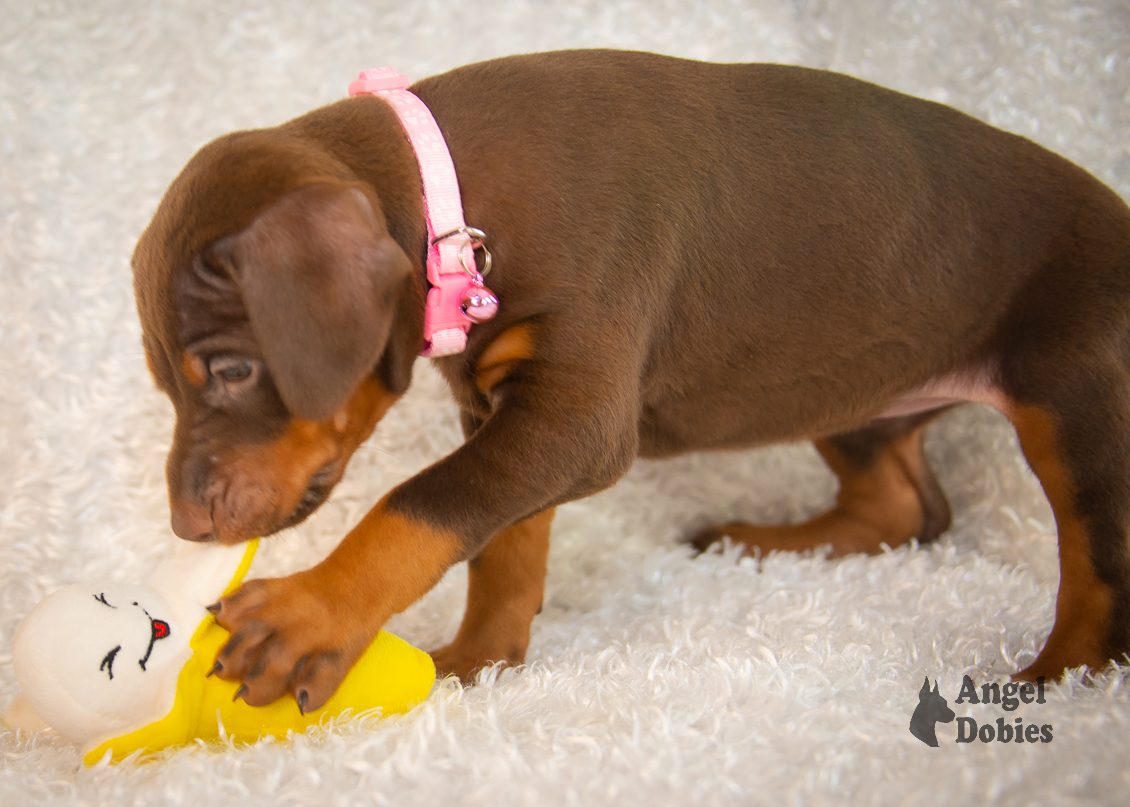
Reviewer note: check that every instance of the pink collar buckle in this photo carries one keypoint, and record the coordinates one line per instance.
(458, 297)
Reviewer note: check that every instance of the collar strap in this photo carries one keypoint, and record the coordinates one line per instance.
(457, 298)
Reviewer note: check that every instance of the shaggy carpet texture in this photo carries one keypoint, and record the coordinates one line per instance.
(652, 677)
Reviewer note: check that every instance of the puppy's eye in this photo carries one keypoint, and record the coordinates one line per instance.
(231, 368)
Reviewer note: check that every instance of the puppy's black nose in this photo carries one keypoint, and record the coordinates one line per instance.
(192, 522)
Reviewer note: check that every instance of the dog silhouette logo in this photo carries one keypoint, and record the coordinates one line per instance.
(932, 709)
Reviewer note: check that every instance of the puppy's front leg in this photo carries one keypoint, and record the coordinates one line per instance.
(545, 443)
(505, 586)
(302, 633)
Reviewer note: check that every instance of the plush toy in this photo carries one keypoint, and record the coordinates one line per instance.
(120, 668)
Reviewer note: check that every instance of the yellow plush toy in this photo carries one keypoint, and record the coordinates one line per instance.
(121, 668)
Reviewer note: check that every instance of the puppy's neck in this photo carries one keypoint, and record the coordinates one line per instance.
(365, 135)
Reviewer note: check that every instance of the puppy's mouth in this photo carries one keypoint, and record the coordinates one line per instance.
(236, 518)
(317, 491)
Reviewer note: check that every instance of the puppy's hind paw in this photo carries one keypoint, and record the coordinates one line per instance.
(704, 539)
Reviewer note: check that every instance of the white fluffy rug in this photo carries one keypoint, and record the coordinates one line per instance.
(653, 678)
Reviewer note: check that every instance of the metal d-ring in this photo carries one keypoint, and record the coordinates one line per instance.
(477, 238)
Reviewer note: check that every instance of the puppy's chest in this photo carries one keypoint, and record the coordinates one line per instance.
(471, 400)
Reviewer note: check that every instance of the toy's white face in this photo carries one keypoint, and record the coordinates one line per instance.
(93, 659)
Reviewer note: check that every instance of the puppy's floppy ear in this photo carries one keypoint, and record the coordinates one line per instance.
(321, 280)
(404, 340)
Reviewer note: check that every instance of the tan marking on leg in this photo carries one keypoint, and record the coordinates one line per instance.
(505, 350)
(387, 562)
(304, 632)
(506, 583)
(876, 505)
(1083, 606)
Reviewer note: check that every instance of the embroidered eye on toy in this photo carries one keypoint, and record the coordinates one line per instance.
(120, 668)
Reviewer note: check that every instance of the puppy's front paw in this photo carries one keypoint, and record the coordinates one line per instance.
(286, 636)
(464, 660)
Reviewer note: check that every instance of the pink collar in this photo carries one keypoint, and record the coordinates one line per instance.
(458, 299)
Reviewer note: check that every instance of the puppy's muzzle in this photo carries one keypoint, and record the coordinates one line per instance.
(192, 522)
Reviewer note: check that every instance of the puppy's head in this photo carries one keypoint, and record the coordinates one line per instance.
(282, 320)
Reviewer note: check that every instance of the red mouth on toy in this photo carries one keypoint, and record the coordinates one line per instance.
(159, 629)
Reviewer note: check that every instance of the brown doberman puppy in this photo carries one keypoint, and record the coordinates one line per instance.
(689, 257)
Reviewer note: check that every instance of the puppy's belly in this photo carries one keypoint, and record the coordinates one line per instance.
(971, 387)
(721, 424)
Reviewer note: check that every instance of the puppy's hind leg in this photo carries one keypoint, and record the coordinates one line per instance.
(888, 495)
(1076, 437)
(1065, 371)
